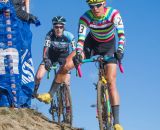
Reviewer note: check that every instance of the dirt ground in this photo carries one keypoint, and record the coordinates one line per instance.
(27, 119)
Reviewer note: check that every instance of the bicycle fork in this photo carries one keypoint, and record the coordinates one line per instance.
(108, 106)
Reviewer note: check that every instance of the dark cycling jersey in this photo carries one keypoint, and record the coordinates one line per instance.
(101, 29)
(58, 47)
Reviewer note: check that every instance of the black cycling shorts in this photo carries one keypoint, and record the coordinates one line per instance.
(93, 47)
(56, 57)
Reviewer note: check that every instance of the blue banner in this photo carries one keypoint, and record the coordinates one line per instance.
(16, 65)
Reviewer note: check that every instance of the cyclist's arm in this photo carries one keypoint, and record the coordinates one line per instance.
(73, 44)
(71, 39)
(21, 14)
(82, 32)
(117, 20)
(46, 47)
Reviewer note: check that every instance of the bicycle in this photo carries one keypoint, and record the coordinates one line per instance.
(61, 104)
(104, 110)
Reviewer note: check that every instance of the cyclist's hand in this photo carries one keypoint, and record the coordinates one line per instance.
(48, 64)
(37, 23)
(33, 19)
(119, 54)
(34, 94)
(77, 59)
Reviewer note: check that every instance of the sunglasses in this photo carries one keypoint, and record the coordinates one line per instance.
(56, 27)
(95, 5)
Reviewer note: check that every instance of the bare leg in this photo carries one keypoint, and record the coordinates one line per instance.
(62, 73)
(67, 82)
(39, 75)
(61, 76)
(111, 78)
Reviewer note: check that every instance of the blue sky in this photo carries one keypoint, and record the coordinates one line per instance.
(138, 86)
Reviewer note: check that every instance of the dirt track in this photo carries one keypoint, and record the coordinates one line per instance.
(27, 119)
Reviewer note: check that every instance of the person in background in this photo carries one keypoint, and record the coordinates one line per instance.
(58, 45)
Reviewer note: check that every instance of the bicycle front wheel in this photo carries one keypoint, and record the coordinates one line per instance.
(105, 117)
(99, 104)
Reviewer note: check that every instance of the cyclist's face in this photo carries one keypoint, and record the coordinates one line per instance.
(97, 9)
(58, 28)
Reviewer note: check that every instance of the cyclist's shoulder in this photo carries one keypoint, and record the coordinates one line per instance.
(86, 17)
(111, 12)
(50, 33)
(111, 9)
(68, 35)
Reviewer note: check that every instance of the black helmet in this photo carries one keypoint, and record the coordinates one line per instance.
(58, 19)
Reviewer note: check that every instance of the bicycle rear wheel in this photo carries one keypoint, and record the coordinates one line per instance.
(67, 105)
(61, 106)
(103, 107)
(54, 109)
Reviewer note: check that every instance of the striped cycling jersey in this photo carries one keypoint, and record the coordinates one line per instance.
(102, 29)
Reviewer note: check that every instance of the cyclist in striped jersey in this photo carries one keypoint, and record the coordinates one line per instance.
(103, 22)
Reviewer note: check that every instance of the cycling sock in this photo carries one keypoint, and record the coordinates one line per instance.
(115, 110)
(36, 87)
(68, 109)
(54, 88)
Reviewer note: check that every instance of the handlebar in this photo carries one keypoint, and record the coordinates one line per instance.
(54, 67)
(98, 59)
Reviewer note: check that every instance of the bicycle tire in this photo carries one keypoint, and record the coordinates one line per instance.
(58, 106)
(67, 97)
(54, 109)
(99, 104)
(108, 120)
(102, 108)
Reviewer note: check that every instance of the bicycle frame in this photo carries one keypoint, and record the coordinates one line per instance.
(54, 67)
(104, 83)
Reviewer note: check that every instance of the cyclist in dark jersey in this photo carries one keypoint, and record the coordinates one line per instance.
(58, 44)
